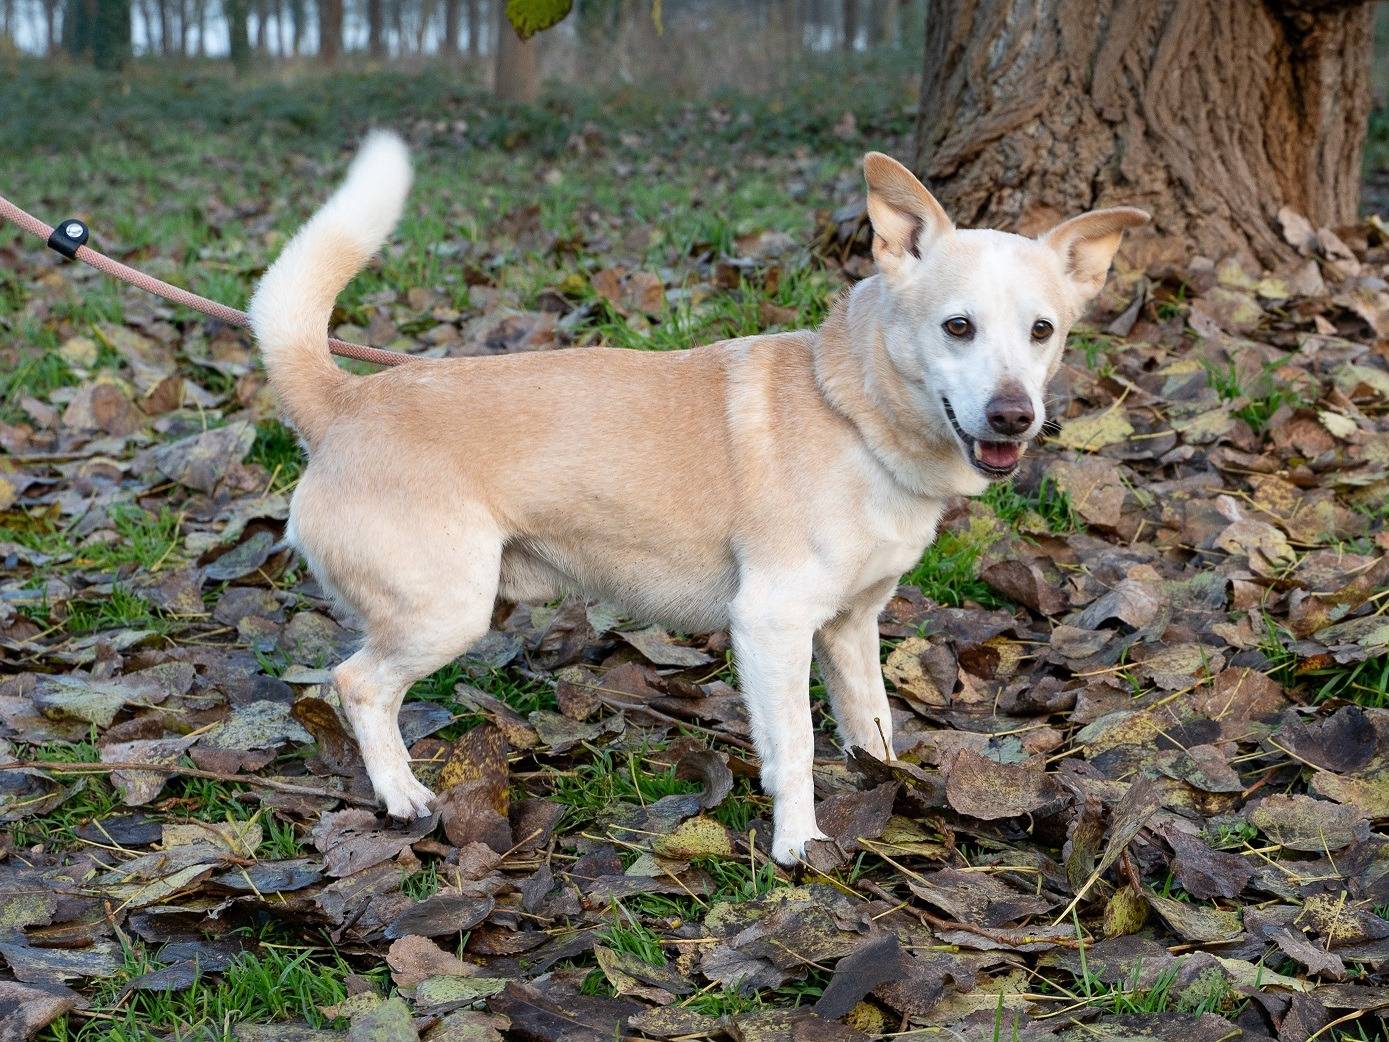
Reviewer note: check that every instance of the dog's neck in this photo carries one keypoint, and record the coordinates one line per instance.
(857, 376)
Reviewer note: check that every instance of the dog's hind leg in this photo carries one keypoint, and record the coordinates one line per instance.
(846, 648)
(409, 637)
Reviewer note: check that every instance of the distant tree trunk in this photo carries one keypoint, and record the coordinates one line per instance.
(165, 36)
(882, 29)
(50, 18)
(262, 8)
(78, 18)
(426, 15)
(783, 26)
(518, 68)
(826, 22)
(376, 28)
(329, 30)
(238, 34)
(298, 22)
(474, 29)
(1211, 114)
(111, 34)
(850, 23)
(181, 29)
(448, 42)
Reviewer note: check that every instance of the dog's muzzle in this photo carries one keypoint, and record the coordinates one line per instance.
(993, 459)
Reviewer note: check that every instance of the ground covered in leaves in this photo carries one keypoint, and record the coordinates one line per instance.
(1140, 693)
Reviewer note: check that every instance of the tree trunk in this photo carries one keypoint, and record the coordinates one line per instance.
(165, 36)
(518, 68)
(376, 28)
(474, 29)
(426, 15)
(448, 41)
(104, 32)
(239, 38)
(1211, 114)
(298, 22)
(850, 24)
(50, 17)
(78, 18)
(329, 30)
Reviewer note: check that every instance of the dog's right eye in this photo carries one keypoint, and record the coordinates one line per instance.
(959, 327)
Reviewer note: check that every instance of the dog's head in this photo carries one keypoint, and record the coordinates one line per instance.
(978, 317)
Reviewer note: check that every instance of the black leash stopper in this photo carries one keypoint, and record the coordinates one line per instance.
(67, 236)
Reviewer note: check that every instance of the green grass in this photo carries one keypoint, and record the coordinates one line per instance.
(424, 883)
(628, 935)
(1263, 397)
(259, 987)
(37, 376)
(277, 449)
(1365, 683)
(611, 777)
(1047, 507)
(183, 799)
(948, 573)
(804, 290)
(1095, 348)
(121, 609)
(1231, 836)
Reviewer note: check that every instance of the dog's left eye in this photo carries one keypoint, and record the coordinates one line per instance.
(1042, 329)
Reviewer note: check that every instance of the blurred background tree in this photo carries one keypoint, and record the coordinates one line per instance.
(1215, 115)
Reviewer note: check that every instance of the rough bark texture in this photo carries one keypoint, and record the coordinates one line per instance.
(1212, 114)
(518, 69)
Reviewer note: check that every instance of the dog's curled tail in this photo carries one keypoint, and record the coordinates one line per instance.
(294, 301)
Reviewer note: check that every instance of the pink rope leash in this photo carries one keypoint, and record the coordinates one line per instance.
(70, 236)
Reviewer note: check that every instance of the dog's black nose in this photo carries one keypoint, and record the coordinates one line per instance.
(1009, 413)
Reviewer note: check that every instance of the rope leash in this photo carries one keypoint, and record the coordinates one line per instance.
(70, 237)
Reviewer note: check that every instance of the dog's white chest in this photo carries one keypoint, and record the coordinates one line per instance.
(892, 535)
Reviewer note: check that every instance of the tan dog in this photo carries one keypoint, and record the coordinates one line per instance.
(774, 485)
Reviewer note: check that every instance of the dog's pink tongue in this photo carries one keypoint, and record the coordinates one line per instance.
(1001, 454)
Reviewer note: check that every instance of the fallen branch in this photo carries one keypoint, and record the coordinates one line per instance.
(190, 772)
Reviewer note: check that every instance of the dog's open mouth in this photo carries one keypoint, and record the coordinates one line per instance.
(994, 459)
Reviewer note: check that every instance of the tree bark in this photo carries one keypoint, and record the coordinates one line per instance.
(111, 34)
(474, 29)
(518, 67)
(448, 41)
(329, 30)
(1211, 114)
(297, 22)
(165, 36)
(376, 28)
(850, 25)
(50, 17)
(239, 38)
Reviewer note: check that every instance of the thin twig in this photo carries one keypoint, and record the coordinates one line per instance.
(189, 772)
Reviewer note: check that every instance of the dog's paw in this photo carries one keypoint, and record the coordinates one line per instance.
(789, 848)
(407, 800)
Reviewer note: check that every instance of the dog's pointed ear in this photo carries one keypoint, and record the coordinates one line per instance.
(1088, 243)
(906, 217)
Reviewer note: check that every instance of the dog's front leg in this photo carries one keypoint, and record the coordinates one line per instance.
(772, 647)
(847, 649)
